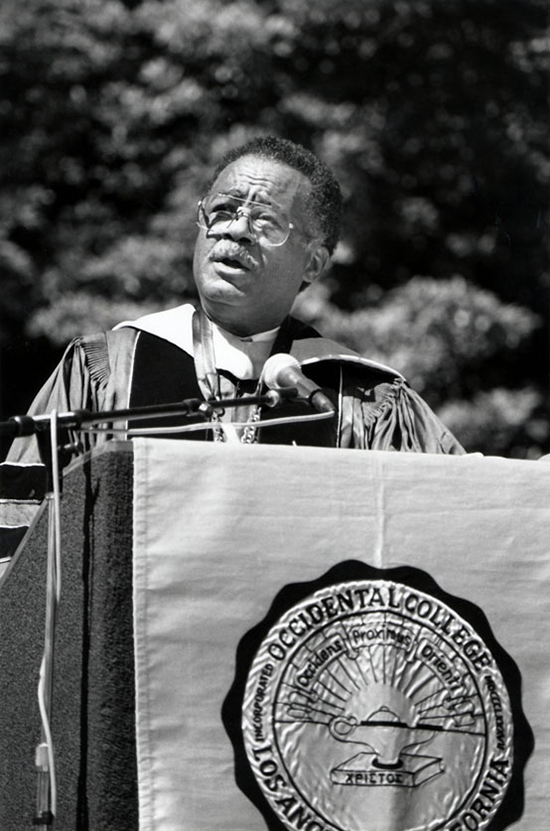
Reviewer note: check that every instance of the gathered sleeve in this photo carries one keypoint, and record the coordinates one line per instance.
(391, 416)
(70, 387)
(88, 377)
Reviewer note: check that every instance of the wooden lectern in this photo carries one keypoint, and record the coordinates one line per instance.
(272, 638)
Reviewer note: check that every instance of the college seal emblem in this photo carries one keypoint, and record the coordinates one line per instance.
(370, 703)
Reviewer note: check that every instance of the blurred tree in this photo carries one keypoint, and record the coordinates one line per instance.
(433, 115)
(450, 340)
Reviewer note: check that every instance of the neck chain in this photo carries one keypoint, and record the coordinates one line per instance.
(211, 384)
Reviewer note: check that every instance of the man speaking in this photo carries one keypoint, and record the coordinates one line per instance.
(267, 227)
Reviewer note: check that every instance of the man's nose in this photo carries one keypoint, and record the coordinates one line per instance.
(239, 228)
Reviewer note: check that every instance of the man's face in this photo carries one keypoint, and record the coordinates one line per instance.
(245, 284)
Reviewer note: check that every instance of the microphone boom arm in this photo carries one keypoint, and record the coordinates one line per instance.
(27, 425)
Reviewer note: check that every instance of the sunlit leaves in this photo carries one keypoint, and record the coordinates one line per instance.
(433, 115)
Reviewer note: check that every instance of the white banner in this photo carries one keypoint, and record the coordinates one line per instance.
(387, 695)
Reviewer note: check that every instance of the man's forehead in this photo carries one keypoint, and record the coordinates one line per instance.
(262, 179)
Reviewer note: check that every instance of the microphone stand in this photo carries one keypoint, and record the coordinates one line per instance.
(46, 788)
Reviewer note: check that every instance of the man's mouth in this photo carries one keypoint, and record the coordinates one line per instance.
(232, 257)
(230, 263)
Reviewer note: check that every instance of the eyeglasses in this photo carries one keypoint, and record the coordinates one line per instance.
(217, 212)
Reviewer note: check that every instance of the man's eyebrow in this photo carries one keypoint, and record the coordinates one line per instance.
(239, 193)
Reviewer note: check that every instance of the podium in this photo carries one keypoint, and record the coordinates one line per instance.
(273, 638)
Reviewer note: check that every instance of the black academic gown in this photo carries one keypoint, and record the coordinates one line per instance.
(131, 367)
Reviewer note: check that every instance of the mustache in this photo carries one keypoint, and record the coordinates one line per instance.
(228, 250)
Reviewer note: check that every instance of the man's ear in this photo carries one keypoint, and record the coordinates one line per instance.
(317, 263)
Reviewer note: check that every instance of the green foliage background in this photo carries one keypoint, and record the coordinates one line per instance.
(433, 114)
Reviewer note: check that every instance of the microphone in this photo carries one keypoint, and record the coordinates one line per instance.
(284, 371)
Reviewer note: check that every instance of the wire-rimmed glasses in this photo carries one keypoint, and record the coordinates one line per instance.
(217, 212)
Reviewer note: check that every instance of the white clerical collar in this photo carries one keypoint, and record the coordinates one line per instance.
(244, 357)
(270, 335)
